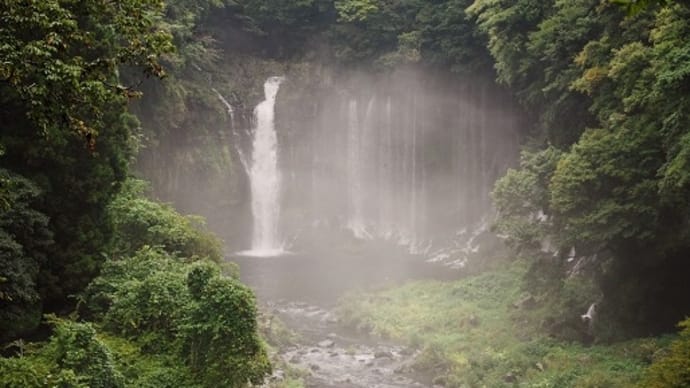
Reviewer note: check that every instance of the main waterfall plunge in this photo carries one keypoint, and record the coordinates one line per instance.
(400, 159)
(264, 177)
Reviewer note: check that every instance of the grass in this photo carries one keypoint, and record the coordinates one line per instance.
(472, 336)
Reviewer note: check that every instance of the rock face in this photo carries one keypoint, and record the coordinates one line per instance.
(383, 354)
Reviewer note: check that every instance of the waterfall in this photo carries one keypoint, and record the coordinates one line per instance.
(400, 159)
(385, 174)
(354, 173)
(264, 177)
(236, 136)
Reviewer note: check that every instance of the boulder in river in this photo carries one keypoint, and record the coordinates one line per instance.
(383, 354)
(295, 359)
(326, 344)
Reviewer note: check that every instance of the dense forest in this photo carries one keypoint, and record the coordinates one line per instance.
(111, 120)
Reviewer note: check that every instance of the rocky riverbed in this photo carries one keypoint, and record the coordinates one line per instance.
(331, 356)
(302, 290)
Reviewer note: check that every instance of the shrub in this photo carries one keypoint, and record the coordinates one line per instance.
(140, 222)
(672, 369)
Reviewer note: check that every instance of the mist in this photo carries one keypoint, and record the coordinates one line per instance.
(405, 158)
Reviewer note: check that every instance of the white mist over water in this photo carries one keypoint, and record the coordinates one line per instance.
(405, 159)
(264, 177)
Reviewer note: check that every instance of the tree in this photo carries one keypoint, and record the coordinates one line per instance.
(24, 245)
(64, 119)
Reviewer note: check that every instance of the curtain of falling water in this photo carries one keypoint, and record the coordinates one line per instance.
(403, 160)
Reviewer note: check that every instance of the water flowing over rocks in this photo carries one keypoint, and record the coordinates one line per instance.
(333, 357)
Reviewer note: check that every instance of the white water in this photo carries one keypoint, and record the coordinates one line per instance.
(264, 177)
(235, 134)
(355, 165)
(401, 161)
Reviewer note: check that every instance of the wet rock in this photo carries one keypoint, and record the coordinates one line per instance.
(333, 354)
(370, 363)
(278, 375)
(326, 344)
(314, 350)
(383, 354)
(314, 367)
(302, 352)
(295, 359)
(439, 381)
(406, 352)
(510, 377)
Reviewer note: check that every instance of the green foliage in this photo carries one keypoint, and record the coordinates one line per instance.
(74, 357)
(147, 370)
(22, 372)
(355, 10)
(618, 193)
(522, 199)
(139, 222)
(24, 242)
(188, 310)
(471, 333)
(604, 192)
(70, 51)
(671, 369)
(75, 348)
(221, 334)
(64, 119)
(451, 39)
(637, 6)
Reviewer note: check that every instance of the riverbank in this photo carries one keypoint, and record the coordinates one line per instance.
(297, 294)
(482, 331)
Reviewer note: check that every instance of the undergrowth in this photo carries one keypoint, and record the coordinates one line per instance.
(474, 333)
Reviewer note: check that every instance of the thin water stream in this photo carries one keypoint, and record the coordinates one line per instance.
(302, 289)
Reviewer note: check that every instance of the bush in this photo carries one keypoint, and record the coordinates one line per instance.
(140, 222)
(188, 310)
(73, 358)
(75, 348)
(22, 372)
(221, 334)
(672, 369)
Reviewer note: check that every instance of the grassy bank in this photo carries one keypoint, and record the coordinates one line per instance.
(475, 333)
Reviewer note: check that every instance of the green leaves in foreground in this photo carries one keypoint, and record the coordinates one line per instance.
(672, 369)
(191, 311)
(74, 358)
